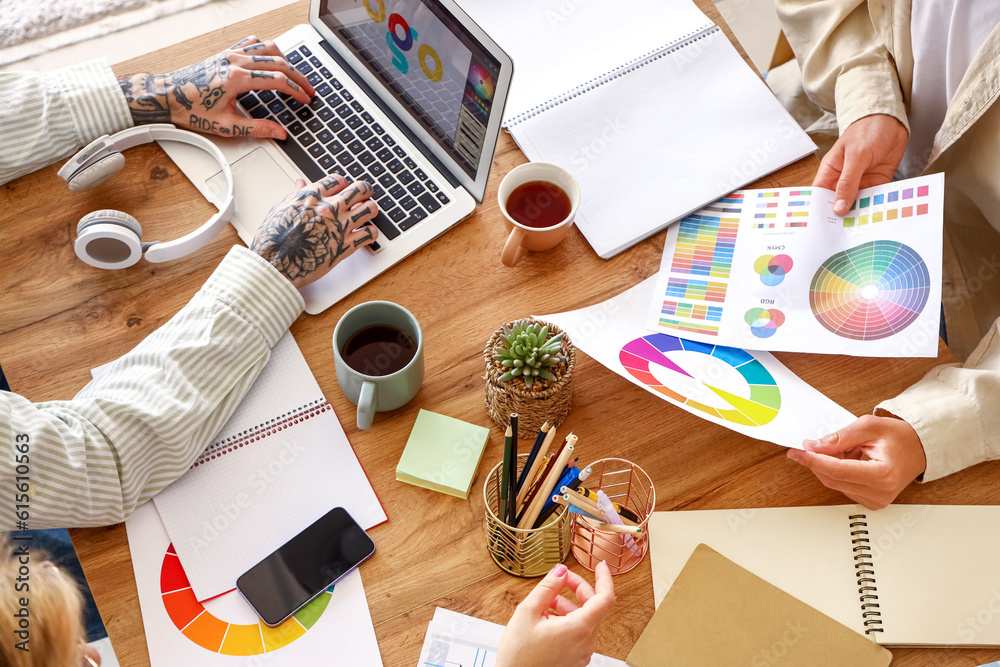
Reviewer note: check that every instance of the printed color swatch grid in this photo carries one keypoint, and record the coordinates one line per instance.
(894, 205)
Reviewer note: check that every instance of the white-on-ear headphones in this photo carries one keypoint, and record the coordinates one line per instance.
(112, 239)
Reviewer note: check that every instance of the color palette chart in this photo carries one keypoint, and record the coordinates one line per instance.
(218, 636)
(788, 206)
(705, 245)
(799, 278)
(871, 291)
(896, 204)
(640, 355)
(701, 262)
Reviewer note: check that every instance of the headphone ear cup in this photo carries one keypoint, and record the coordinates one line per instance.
(94, 174)
(109, 239)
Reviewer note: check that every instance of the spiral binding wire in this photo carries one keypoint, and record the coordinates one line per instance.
(228, 445)
(632, 65)
(864, 571)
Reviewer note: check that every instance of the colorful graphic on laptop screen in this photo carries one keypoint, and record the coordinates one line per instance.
(430, 64)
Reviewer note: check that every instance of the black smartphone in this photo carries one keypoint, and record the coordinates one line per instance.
(305, 566)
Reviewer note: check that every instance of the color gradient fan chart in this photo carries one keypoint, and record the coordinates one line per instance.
(748, 392)
(225, 631)
(865, 284)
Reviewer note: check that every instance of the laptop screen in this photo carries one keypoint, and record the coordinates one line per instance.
(432, 65)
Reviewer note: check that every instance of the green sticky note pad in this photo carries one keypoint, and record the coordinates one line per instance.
(442, 453)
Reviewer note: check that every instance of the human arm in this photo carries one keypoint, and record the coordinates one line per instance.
(45, 116)
(203, 96)
(944, 423)
(128, 434)
(538, 637)
(848, 69)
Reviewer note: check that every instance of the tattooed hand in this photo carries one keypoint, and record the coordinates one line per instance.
(312, 229)
(203, 96)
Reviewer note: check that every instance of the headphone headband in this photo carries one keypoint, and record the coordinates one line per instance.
(106, 146)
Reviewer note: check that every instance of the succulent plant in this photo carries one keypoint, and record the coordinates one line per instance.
(526, 350)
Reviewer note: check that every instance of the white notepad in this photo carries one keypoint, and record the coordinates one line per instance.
(929, 575)
(280, 462)
(671, 120)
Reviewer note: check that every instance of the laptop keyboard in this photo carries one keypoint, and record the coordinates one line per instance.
(335, 134)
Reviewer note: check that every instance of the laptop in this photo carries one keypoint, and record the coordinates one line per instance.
(409, 96)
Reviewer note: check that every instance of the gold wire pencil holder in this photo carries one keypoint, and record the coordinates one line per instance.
(627, 485)
(522, 552)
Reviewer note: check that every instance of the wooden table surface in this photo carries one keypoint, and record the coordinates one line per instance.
(60, 318)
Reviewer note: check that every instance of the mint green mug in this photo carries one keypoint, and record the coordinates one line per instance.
(378, 352)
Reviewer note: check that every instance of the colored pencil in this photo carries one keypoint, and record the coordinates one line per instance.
(539, 461)
(539, 439)
(531, 515)
(505, 472)
(511, 478)
(549, 506)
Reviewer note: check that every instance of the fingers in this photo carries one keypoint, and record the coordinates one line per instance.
(602, 602)
(859, 432)
(356, 192)
(865, 473)
(855, 166)
(267, 57)
(331, 185)
(581, 589)
(543, 596)
(272, 72)
(563, 606)
(252, 39)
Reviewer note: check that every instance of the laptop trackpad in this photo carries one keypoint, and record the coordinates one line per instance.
(260, 183)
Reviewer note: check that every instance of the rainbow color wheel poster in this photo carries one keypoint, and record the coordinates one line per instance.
(749, 392)
(871, 291)
(765, 398)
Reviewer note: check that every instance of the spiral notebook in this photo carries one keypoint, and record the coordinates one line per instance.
(280, 462)
(673, 120)
(906, 575)
(717, 613)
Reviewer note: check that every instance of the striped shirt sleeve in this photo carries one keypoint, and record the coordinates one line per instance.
(92, 460)
(46, 116)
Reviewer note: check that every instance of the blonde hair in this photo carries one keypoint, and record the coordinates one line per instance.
(52, 626)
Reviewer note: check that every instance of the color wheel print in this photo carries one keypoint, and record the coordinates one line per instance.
(871, 291)
(211, 633)
(764, 323)
(761, 407)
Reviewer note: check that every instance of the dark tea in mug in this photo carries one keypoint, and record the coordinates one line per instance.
(379, 349)
(538, 204)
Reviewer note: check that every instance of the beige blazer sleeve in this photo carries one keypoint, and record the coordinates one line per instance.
(955, 409)
(846, 67)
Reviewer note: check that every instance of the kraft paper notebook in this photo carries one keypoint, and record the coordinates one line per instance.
(717, 613)
(442, 454)
(648, 96)
(907, 575)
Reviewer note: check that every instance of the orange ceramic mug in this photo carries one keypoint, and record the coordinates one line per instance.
(523, 215)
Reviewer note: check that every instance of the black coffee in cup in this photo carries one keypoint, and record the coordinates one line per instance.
(379, 349)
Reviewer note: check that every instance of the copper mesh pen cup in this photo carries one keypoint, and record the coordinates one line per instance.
(628, 486)
(521, 552)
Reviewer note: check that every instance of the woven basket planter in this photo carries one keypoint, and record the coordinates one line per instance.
(549, 401)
